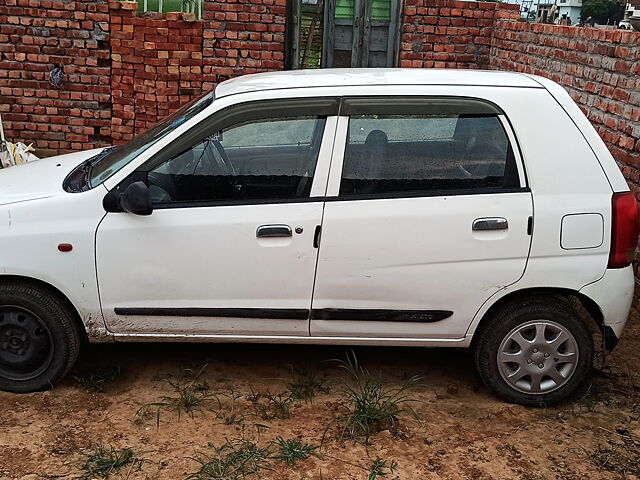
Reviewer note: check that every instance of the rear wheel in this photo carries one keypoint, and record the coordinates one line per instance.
(39, 340)
(534, 352)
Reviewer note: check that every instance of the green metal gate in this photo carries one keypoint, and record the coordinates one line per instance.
(345, 33)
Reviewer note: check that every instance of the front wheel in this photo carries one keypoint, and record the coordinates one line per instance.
(534, 352)
(39, 341)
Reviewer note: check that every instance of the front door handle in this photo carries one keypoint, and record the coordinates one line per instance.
(273, 231)
(490, 223)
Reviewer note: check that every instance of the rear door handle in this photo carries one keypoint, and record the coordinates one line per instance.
(273, 231)
(490, 223)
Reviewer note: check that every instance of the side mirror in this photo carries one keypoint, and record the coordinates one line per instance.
(136, 199)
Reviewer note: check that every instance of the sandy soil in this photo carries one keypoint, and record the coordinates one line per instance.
(461, 429)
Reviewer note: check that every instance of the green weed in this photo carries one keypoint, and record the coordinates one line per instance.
(231, 418)
(94, 381)
(291, 451)
(189, 395)
(306, 385)
(102, 461)
(381, 468)
(268, 406)
(371, 406)
(234, 460)
(147, 412)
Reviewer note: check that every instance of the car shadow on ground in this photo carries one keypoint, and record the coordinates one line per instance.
(443, 365)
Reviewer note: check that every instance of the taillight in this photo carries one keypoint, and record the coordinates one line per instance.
(625, 226)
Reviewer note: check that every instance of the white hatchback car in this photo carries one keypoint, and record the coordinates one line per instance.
(373, 207)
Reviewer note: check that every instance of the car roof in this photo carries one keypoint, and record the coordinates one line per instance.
(342, 77)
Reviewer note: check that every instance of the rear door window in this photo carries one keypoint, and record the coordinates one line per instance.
(439, 146)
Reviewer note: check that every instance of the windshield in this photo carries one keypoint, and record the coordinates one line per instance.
(122, 155)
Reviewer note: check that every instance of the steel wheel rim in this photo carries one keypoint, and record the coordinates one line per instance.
(26, 345)
(538, 357)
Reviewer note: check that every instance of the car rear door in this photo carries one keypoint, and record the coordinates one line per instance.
(427, 215)
(229, 248)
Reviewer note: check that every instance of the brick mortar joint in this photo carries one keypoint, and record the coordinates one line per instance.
(578, 32)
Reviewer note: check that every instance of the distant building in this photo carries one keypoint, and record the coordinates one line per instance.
(546, 13)
(632, 8)
(570, 11)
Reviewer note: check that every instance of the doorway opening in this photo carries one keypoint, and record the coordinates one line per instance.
(344, 33)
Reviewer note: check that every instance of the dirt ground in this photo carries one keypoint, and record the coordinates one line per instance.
(460, 430)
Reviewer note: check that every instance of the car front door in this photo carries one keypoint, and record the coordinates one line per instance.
(427, 216)
(229, 247)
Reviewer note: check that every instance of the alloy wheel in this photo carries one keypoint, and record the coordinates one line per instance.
(538, 357)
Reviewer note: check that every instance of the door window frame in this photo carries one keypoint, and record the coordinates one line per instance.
(412, 105)
(327, 107)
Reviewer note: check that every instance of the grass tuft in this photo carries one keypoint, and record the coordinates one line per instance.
(94, 381)
(370, 406)
(234, 460)
(189, 395)
(306, 385)
(102, 461)
(231, 418)
(269, 406)
(292, 451)
(381, 468)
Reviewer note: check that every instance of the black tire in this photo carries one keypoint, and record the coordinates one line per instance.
(555, 313)
(39, 338)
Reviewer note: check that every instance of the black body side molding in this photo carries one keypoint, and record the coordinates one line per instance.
(284, 313)
(427, 316)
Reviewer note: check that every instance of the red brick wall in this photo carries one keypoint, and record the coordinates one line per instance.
(599, 68)
(123, 70)
(241, 37)
(156, 67)
(36, 35)
(161, 63)
(450, 34)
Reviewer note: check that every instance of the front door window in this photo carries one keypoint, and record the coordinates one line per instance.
(268, 159)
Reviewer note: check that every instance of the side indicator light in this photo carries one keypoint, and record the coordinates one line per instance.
(65, 247)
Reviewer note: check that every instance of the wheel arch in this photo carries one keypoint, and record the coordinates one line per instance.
(53, 290)
(585, 307)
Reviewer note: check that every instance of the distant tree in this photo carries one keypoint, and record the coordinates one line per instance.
(603, 11)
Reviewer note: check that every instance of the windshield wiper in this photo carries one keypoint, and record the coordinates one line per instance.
(88, 165)
(96, 158)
